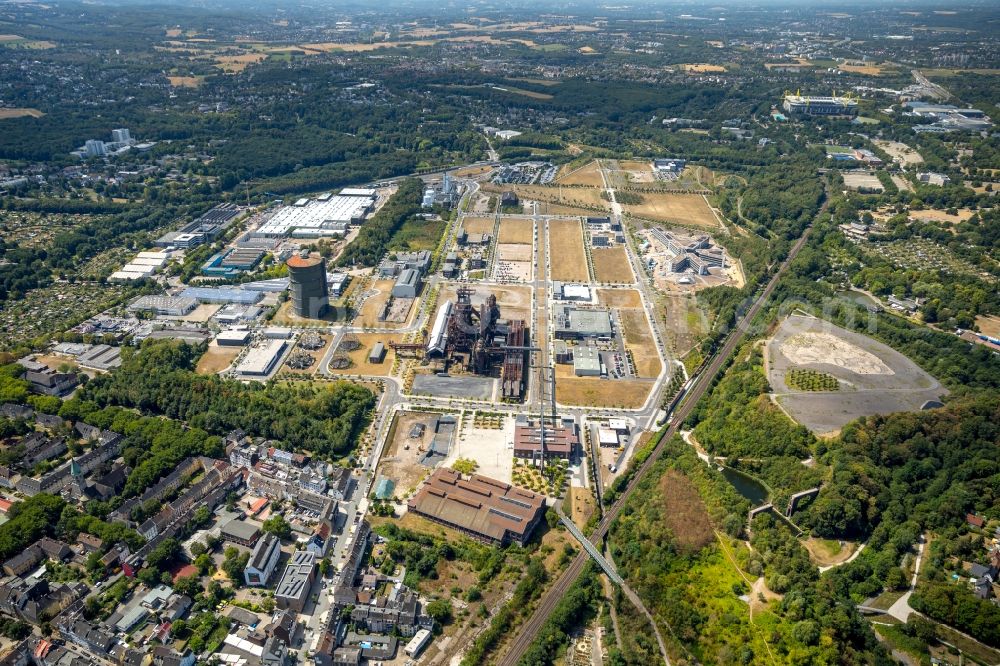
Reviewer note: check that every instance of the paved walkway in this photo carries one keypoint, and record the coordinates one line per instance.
(901, 610)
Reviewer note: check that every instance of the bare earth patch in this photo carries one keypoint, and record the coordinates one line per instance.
(873, 378)
(827, 552)
(597, 392)
(817, 347)
(687, 209)
(568, 260)
(611, 265)
(989, 325)
(478, 225)
(19, 113)
(514, 230)
(216, 359)
(619, 298)
(639, 338)
(686, 516)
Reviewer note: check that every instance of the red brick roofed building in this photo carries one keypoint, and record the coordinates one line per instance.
(560, 441)
(483, 508)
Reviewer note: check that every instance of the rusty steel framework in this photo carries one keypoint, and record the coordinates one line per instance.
(479, 336)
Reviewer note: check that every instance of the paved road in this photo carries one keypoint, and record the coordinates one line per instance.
(901, 610)
(558, 590)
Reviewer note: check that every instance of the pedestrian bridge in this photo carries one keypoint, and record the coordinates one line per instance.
(591, 549)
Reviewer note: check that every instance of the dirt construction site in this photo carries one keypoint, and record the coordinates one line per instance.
(872, 378)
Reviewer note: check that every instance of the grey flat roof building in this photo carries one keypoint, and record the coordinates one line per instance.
(296, 582)
(580, 323)
(406, 284)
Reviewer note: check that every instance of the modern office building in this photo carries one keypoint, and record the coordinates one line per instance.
(121, 136)
(579, 323)
(296, 582)
(95, 148)
(307, 281)
(263, 560)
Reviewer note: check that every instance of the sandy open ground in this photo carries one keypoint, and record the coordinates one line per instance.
(19, 113)
(989, 325)
(862, 180)
(359, 357)
(619, 298)
(597, 392)
(639, 338)
(216, 359)
(589, 174)
(702, 68)
(819, 347)
(373, 304)
(567, 257)
(513, 252)
(576, 197)
(873, 378)
(478, 225)
(514, 230)
(941, 215)
(688, 209)
(401, 460)
(900, 151)
(611, 265)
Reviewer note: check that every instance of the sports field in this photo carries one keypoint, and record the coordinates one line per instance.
(611, 265)
(689, 209)
(567, 258)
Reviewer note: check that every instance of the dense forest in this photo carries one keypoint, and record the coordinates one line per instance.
(325, 420)
(738, 419)
(897, 476)
(674, 544)
(376, 234)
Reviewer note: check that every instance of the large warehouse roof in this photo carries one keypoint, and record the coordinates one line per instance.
(315, 215)
(490, 509)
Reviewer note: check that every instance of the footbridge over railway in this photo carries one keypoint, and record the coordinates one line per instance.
(591, 549)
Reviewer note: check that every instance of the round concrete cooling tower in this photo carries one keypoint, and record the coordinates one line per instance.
(307, 284)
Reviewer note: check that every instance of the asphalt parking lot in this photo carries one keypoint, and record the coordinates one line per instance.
(480, 388)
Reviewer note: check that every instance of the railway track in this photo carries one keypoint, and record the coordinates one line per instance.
(558, 590)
